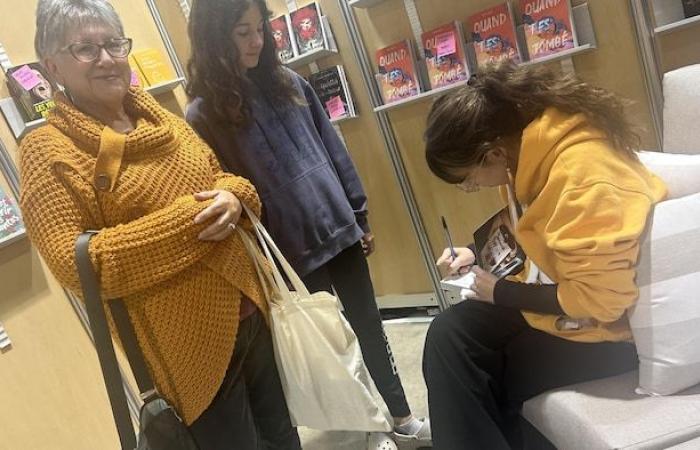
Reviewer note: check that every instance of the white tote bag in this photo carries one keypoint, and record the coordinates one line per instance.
(325, 380)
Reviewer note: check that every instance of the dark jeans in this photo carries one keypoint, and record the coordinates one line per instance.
(249, 412)
(482, 362)
(348, 274)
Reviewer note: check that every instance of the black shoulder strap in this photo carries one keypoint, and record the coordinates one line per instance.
(103, 342)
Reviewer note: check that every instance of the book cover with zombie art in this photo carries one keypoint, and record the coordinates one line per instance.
(397, 77)
(444, 55)
(493, 35)
(307, 28)
(548, 26)
(283, 40)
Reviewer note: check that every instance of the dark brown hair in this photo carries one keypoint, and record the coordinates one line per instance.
(214, 71)
(501, 101)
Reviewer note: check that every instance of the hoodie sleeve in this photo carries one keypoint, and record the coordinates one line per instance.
(339, 157)
(594, 235)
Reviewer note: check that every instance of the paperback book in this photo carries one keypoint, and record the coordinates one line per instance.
(397, 75)
(153, 66)
(691, 8)
(285, 45)
(11, 224)
(493, 35)
(445, 56)
(331, 87)
(308, 29)
(32, 90)
(548, 26)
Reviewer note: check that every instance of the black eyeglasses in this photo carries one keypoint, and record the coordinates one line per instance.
(88, 51)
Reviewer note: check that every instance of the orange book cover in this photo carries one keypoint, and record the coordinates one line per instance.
(548, 27)
(397, 77)
(444, 55)
(493, 35)
(154, 67)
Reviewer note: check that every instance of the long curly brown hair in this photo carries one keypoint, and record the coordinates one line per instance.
(501, 101)
(213, 69)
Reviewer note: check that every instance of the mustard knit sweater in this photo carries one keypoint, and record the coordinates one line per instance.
(182, 294)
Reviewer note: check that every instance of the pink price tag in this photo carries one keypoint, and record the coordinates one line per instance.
(335, 107)
(446, 44)
(26, 77)
(134, 79)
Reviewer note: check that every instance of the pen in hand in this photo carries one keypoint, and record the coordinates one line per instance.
(448, 238)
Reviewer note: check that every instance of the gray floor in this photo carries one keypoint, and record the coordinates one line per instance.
(406, 340)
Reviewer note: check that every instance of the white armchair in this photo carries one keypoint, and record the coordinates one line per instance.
(607, 413)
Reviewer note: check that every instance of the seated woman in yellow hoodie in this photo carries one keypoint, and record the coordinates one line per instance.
(567, 149)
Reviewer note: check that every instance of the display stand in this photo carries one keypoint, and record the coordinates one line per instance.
(20, 128)
(669, 17)
(391, 146)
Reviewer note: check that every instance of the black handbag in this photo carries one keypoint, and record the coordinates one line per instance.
(160, 428)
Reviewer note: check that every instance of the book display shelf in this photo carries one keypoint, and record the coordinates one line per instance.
(585, 42)
(20, 128)
(675, 15)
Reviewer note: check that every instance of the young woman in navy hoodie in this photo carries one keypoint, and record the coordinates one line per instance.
(265, 123)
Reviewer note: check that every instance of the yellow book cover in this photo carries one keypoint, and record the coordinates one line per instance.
(153, 65)
(137, 78)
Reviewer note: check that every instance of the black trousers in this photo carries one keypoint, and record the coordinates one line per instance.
(249, 412)
(483, 361)
(348, 274)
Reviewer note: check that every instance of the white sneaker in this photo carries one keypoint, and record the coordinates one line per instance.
(380, 441)
(423, 438)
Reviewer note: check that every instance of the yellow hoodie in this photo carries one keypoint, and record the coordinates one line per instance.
(587, 206)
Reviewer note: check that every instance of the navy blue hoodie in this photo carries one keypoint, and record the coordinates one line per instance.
(314, 205)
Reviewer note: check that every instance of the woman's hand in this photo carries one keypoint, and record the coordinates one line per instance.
(225, 212)
(461, 264)
(484, 284)
(368, 244)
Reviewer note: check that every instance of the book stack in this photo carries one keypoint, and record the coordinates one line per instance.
(445, 56)
(331, 87)
(548, 26)
(150, 68)
(32, 90)
(309, 28)
(493, 35)
(11, 224)
(397, 76)
(285, 45)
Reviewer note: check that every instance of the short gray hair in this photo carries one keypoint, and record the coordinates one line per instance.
(55, 18)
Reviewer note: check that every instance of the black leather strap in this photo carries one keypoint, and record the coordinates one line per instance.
(103, 342)
(131, 348)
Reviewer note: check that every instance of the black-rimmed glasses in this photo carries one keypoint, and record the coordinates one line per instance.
(88, 51)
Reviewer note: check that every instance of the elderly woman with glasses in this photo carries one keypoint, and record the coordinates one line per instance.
(112, 159)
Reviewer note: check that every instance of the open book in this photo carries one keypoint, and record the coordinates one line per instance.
(496, 249)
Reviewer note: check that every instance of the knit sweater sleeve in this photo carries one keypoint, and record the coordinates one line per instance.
(129, 257)
(238, 186)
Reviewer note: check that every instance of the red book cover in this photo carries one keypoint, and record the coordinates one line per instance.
(444, 55)
(493, 35)
(397, 77)
(307, 28)
(548, 27)
(283, 39)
